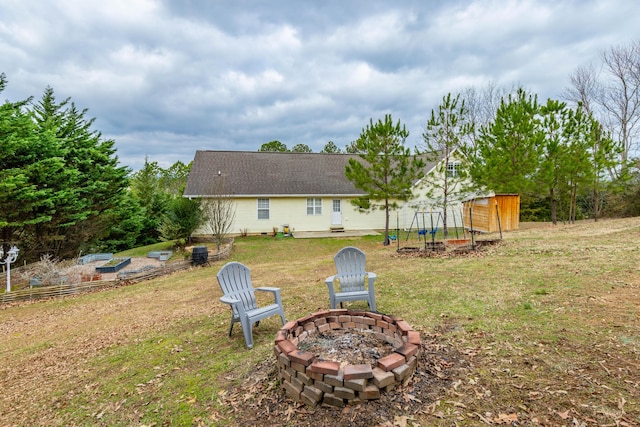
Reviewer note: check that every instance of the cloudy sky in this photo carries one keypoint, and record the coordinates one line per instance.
(167, 78)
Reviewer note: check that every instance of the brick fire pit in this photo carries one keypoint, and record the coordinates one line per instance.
(313, 381)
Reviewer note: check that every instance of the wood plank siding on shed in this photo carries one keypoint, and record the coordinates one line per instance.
(491, 214)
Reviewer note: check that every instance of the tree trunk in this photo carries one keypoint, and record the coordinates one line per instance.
(554, 215)
(387, 242)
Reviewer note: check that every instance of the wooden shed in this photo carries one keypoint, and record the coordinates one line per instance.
(491, 214)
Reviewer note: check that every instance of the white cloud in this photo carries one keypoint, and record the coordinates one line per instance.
(167, 78)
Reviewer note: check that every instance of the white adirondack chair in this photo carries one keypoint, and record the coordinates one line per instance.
(353, 282)
(235, 281)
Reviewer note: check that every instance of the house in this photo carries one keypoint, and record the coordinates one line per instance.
(303, 191)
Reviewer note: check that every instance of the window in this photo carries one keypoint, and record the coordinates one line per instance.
(263, 208)
(452, 169)
(314, 206)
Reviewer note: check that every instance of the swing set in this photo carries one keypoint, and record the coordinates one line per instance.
(430, 223)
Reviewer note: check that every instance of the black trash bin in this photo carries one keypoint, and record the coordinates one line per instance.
(200, 255)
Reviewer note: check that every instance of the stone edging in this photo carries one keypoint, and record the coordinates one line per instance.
(314, 381)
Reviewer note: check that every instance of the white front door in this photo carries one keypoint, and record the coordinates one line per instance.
(336, 212)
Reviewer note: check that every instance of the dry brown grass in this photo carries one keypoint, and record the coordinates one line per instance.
(540, 330)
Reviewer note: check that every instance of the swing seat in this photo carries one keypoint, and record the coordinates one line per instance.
(434, 231)
(422, 232)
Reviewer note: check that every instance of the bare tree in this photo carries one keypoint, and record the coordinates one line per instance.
(220, 211)
(481, 105)
(620, 95)
(584, 88)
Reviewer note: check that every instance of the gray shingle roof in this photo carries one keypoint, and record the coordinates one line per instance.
(260, 173)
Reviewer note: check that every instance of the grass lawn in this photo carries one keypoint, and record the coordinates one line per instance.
(542, 329)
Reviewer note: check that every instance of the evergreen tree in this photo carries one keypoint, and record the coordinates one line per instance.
(85, 181)
(182, 218)
(331, 147)
(444, 134)
(145, 186)
(509, 148)
(387, 170)
(274, 146)
(301, 148)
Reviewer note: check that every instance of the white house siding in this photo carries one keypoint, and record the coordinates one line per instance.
(292, 211)
(427, 207)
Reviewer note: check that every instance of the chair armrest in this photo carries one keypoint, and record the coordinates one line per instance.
(229, 300)
(329, 280)
(268, 289)
(275, 291)
(371, 275)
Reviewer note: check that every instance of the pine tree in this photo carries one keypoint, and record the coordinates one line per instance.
(387, 170)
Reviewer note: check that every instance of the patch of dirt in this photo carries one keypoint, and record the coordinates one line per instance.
(259, 401)
(347, 347)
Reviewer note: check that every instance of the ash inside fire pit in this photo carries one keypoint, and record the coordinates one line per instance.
(347, 347)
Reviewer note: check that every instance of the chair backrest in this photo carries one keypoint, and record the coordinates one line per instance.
(235, 281)
(351, 267)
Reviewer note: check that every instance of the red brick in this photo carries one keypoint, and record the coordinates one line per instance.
(292, 390)
(382, 324)
(281, 335)
(286, 346)
(313, 394)
(320, 385)
(320, 321)
(356, 312)
(413, 337)
(349, 325)
(284, 360)
(324, 328)
(303, 357)
(335, 325)
(352, 372)
(388, 319)
(375, 316)
(338, 311)
(404, 326)
(344, 393)
(332, 400)
(334, 380)
(316, 376)
(358, 384)
(344, 318)
(325, 367)
(298, 367)
(305, 319)
(321, 313)
(382, 378)
(311, 326)
(370, 392)
(402, 372)
(390, 362)
(407, 350)
(304, 378)
(358, 319)
(290, 325)
(369, 321)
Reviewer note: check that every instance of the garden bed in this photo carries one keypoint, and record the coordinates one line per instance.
(114, 265)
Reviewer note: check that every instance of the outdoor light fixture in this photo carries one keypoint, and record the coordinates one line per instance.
(12, 255)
